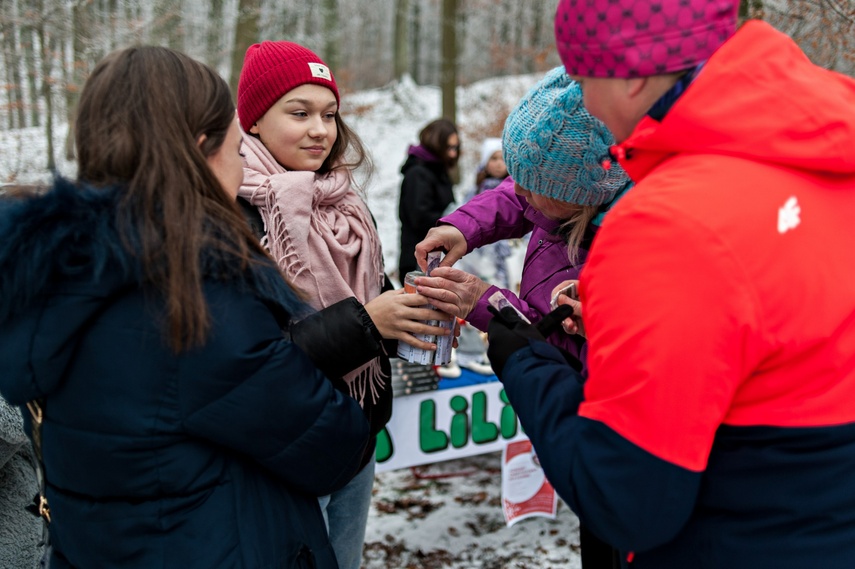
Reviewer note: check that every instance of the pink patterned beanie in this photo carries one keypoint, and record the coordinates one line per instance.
(638, 38)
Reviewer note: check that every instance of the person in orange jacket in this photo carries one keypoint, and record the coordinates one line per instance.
(716, 427)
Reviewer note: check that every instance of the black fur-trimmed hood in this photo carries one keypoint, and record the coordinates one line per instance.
(61, 257)
(62, 233)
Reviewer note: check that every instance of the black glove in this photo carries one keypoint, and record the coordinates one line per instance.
(507, 333)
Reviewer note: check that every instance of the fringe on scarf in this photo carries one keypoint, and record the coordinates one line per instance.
(364, 379)
(369, 377)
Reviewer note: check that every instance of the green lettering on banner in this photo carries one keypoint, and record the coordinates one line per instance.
(469, 423)
(459, 422)
(508, 418)
(384, 449)
(430, 439)
(483, 431)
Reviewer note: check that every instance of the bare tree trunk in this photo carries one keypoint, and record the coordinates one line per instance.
(519, 38)
(29, 48)
(491, 22)
(134, 13)
(16, 90)
(448, 80)
(505, 26)
(401, 66)
(331, 34)
(45, 43)
(246, 34)
(10, 61)
(537, 43)
(417, 46)
(80, 32)
(167, 23)
(460, 33)
(289, 26)
(215, 29)
(68, 91)
(4, 94)
(112, 17)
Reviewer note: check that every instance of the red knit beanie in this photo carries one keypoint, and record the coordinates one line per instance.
(271, 69)
(638, 38)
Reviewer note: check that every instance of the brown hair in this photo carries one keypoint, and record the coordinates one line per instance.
(140, 115)
(434, 138)
(347, 152)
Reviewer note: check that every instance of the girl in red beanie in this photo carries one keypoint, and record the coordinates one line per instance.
(298, 159)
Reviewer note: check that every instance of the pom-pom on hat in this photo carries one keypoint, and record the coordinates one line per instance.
(271, 69)
(639, 38)
(553, 147)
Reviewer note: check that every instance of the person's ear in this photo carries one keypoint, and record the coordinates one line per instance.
(201, 140)
(635, 86)
(254, 128)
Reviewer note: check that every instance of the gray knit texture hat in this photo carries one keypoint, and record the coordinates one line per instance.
(553, 147)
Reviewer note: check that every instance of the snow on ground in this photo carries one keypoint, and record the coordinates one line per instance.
(457, 523)
(447, 522)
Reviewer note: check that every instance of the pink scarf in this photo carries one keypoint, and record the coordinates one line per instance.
(321, 234)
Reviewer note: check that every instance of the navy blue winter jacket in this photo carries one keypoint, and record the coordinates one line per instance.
(210, 458)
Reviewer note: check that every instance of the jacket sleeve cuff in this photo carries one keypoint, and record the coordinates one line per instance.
(339, 338)
(480, 316)
(367, 322)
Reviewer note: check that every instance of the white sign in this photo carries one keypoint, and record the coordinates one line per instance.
(446, 424)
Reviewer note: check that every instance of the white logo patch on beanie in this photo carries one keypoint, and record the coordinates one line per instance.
(320, 71)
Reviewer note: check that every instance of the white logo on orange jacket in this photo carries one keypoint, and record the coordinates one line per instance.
(788, 216)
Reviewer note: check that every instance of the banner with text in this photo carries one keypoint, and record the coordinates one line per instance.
(446, 424)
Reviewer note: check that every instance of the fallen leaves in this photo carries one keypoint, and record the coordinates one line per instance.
(416, 508)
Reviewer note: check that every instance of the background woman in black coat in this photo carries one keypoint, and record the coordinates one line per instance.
(426, 190)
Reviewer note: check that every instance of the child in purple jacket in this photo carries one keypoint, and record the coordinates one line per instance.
(557, 187)
(559, 191)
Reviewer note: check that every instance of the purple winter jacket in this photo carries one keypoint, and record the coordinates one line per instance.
(501, 214)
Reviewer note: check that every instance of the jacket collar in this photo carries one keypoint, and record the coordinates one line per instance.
(758, 97)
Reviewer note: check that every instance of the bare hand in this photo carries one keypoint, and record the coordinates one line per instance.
(452, 290)
(574, 324)
(396, 315)
(445, 237)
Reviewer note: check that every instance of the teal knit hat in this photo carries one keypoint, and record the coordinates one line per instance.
(554, 148)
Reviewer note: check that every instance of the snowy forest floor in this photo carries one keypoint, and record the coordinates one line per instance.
(434, 522)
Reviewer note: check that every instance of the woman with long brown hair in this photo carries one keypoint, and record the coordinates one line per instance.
(143, 323)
